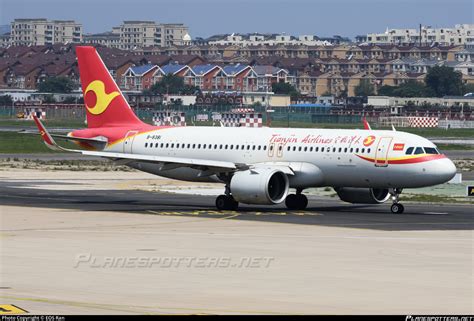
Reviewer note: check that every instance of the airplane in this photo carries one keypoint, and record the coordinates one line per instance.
(257, 165)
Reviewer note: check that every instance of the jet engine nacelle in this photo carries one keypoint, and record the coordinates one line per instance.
(359, 195)
(260, 186)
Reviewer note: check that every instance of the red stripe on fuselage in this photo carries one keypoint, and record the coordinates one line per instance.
(420, 159)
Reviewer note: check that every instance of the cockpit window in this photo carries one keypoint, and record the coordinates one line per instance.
(409, 150)
(431, 150)
(419, 150)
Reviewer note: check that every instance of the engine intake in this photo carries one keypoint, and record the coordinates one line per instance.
(358, 195)
(259, 186)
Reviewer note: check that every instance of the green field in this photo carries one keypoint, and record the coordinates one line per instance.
(17, 143)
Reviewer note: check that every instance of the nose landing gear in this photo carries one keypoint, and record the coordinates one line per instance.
(396, 208)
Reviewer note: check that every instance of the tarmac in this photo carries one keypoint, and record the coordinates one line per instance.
(98, 243)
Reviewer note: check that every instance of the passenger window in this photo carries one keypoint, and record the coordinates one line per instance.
(363, 150)
(220, 146)
(161, 145)
(231, 146)
(167, 145)
(409, 150)
(215, 146)
(311, 149)
(172, 145)
(199, 146)
(334, 150)
(316, 149)
(294, 148)
(306, 149)
(357, 150)
(236, 147)
(288, 148)
(253, 147)
(146, 145)
(352, 150)
(194, 146)
(368, 151)
(345, 150)
(299, 149)
(204, 146)
(248, 147)
(419, 150)
(156, 145)
(225, 147)
(340, 149)
(265, 147)
(322, 149)
(259, 147)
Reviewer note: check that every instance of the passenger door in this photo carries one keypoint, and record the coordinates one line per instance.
(381, 154)
(128, 141)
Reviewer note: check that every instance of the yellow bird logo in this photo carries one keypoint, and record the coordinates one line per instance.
(369, 140)
(103, 99)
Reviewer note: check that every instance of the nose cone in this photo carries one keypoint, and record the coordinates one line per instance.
(445, 170)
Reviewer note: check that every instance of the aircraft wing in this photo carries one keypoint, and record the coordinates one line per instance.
(209, 167)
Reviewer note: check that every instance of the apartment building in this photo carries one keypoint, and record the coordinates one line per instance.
(461, 34)
(174, 34)
(140, 34)
(110, 39)
(258, 39)
(38, 32)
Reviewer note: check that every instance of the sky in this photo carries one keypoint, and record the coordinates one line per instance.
(209, 17)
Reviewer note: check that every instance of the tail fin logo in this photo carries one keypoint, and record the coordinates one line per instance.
(102, 99)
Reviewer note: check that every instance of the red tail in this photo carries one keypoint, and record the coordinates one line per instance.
(105, 104)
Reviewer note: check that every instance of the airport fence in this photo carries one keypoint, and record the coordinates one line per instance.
(282, 115)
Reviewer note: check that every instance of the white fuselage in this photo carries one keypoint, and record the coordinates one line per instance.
(319, 157)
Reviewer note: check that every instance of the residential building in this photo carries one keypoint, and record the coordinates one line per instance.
(459, 35)
(134, 34)
(38, 32)
(4, 40)
(141, 34)
(174, 34)
(258, 39)
(110, 39)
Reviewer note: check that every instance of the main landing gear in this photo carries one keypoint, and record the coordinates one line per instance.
(396, 208)
(226, 202)
(296, 201)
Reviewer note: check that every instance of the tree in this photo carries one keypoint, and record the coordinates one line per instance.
(468, 88)
(412, 88)
(6, 100)
(171, 84)
(364, 88)
(284, 88)
(386, 90)
(443, 80)
(57, 85)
